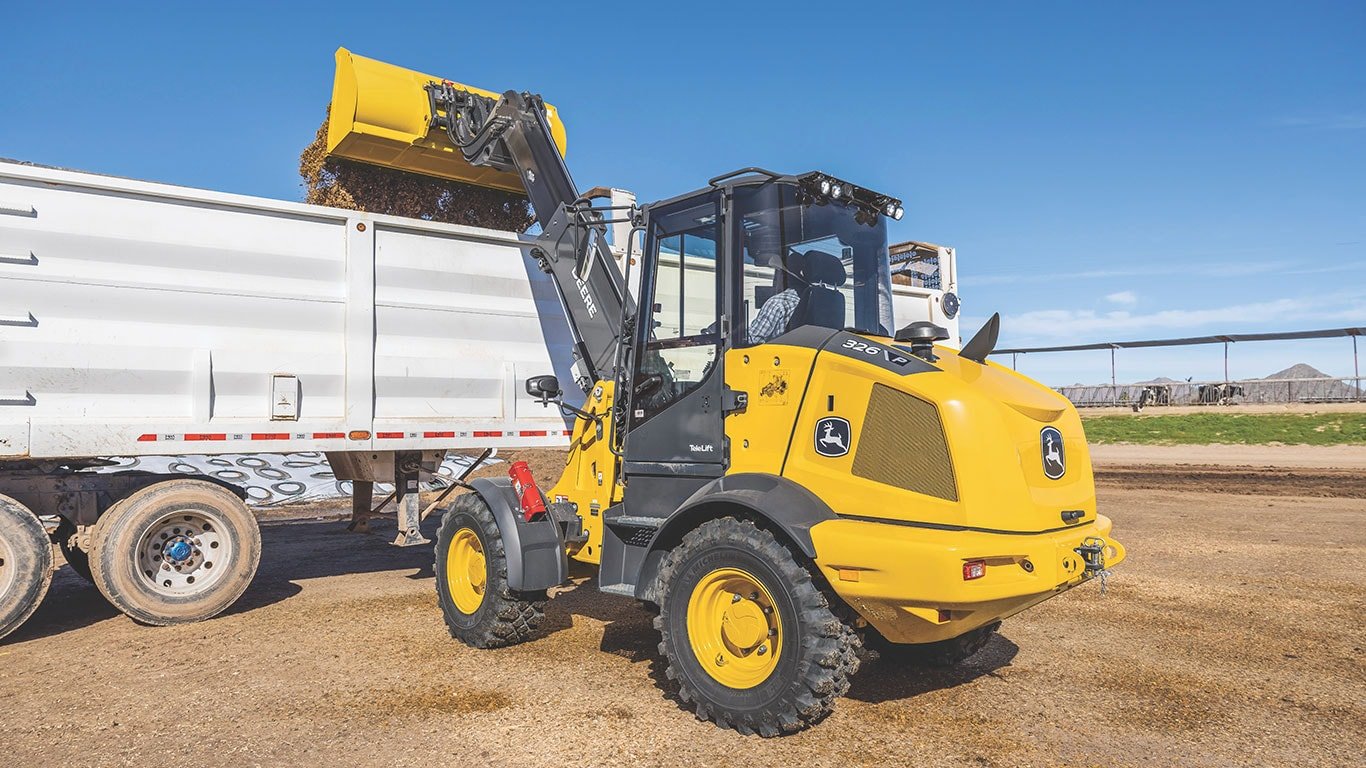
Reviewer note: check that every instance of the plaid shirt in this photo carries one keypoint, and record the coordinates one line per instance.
(773, 316)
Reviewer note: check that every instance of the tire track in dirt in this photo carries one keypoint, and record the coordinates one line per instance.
(1243, 481)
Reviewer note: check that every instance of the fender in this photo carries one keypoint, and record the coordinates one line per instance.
(782, 502)
(535, 554)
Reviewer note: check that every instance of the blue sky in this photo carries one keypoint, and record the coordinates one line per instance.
(1107, 171)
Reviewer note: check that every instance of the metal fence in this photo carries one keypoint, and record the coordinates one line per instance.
(1228, 391)
(1315, 390)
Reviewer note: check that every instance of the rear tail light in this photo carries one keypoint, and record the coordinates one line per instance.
(974, 569)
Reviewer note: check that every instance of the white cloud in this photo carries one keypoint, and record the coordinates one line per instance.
(1083, 325)
(1127, 298)
(1176, 266)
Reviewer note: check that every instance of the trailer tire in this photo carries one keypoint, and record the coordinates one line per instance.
(175, 552)
(751, 638)
(25, 564)
(472, 580)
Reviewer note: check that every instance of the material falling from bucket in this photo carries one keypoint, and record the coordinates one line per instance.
(341, 183)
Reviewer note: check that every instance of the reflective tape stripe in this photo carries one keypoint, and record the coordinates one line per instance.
(152, 437)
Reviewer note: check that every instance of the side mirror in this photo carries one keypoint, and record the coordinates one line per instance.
(546, 388)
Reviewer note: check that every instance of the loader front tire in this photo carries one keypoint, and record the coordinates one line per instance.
(175, 552)
(472, 580)
(752, 640)
(25, 564)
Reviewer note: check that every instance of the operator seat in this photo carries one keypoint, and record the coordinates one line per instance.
(822, 303)
(787, 273)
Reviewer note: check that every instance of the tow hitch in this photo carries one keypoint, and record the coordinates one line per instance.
(1092, 551)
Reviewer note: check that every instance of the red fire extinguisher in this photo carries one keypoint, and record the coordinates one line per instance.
(527, 492)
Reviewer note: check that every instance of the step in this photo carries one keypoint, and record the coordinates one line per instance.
(624, 590)
(636, 521)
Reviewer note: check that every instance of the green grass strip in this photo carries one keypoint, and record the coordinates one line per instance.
(1231, 428)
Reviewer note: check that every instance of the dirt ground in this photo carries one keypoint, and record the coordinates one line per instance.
(1233, 635)
(1306, 457)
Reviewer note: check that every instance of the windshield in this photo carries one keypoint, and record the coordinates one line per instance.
(809, 262)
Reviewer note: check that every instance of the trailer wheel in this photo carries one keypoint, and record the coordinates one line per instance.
(750, 638)
(175, 552)
(471, 580)
(25, 564)
(942, 654)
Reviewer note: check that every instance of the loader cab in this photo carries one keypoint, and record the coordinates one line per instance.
(753, 259)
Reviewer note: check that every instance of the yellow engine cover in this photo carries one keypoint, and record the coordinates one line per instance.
(381, 115)
(930, 470)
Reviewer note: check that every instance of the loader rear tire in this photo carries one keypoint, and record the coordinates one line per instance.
(471, 568)
(753, 641)
(175, 552)
(25, 564)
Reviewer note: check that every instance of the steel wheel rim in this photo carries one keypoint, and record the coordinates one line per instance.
(8, 569)
(734, 628)
(184, 552)
(466, 570)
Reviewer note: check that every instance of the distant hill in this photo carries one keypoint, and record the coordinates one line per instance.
(1299, 371)
(1255, 391)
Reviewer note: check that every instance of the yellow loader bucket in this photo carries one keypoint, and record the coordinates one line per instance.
(381, 115)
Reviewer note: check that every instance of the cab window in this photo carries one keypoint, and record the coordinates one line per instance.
(681, 342)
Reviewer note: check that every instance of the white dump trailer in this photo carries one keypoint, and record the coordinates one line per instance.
(142, 319)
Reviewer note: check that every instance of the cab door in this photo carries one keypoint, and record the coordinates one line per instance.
(675, 438)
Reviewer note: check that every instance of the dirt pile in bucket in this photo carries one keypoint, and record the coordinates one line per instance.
(341, 183)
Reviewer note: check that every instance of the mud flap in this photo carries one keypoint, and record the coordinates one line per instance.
(536, 558)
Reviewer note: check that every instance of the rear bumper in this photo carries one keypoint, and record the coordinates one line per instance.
(908, 581)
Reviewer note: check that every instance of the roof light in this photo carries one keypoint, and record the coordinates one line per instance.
(825, 186)
(836, 191)
(898, 213)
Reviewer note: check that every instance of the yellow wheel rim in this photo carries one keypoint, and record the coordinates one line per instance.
(734, 628)
(466, 570)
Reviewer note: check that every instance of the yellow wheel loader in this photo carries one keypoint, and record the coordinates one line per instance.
(760, 453)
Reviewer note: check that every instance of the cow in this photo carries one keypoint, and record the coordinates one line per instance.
(1221, 394)
(1153, 394)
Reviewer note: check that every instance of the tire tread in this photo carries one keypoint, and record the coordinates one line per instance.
(832, 646)
(512, 617)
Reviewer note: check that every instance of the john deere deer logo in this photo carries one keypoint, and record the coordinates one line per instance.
(832, 437)
(1054, 460)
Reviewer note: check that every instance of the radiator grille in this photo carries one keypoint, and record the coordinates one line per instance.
(903, 445)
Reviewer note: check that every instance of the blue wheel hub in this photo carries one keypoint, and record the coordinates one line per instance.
(179, 551)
